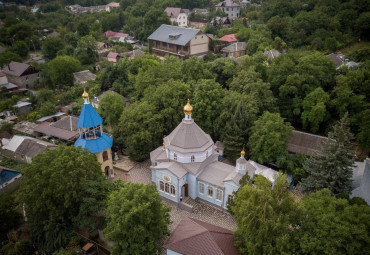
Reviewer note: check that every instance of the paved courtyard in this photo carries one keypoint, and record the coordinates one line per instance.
(141, 173)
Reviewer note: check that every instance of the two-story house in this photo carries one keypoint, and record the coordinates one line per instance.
(177, 16)
(229, 7)
(21, 74)
(178, 41)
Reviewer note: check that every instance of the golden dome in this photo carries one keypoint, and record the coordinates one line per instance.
(188, 108)
(85, 95)
(242, 153)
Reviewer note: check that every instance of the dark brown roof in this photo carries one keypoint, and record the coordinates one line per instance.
(65, 123)
(305, 143)
(15, 68)
(197, 237)
(33, 147)
(336, 59)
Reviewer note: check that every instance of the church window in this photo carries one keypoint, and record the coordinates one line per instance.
(173, 190)
(161, 186)
(229, 198)
(167, 188)
(175, 156)
(192, 158)
(219, 194)
(210, 191)
(105, 156)
(201, 188)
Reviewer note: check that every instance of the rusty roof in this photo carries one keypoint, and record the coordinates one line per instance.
(197, 237)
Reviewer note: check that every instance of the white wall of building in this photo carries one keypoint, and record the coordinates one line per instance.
(199, 44)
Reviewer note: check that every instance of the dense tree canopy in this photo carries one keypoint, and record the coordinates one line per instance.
(62, 189)
(136, 219)
(111, 107)
(61, 70)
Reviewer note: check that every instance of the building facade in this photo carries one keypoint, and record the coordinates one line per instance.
(181, 42)
(177, 16)
(21, 74)
(92, 137)
(187, 165)
(229, 7)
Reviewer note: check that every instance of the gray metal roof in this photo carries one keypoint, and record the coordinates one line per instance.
(188, 137)
(235, 177)
(216, 172)
(174, 167)
(363, 190)
(163, 33)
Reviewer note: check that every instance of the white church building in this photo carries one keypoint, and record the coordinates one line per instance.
(187, 165)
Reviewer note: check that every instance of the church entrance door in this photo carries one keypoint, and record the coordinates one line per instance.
(186, 190)
(107, 171)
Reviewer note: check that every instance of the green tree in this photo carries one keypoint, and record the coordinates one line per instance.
(207, 107)
(20, 48)
(153, 19)
(111, 107)
(51, 46)
(62, 189)
(136, 219)
(61, 70)
(266, 217)
(269, 138)
(7, 56)
(82, 29)
(314, 109)
(141, 129)
(9, 214)
(332, 226)
(47, 108)
(331, 168)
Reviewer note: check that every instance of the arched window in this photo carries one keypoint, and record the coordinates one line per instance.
(106, 171)
(167, 188)
(192, 158)
(161, 186)
(173, 191)
(175, 156)
(105, 156)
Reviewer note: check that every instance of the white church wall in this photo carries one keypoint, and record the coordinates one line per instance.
(230, 187)
(186, 157)
(167, 177)
(192, 186)
(205, 196)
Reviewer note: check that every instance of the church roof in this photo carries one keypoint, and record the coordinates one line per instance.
(216, 172)
(188, 137)
(235, 177)
(174, 167)
(89, 117)
(95, 145)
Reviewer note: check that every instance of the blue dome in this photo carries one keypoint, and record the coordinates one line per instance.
(95, 145)
(89, 117)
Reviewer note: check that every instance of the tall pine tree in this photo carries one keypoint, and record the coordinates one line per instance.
(331, 168)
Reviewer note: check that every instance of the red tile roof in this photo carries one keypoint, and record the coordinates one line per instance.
(112, 54)
(197, 237)
(229, 38)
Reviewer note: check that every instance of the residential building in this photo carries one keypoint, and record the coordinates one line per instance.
(83, 77)
(235, 50)
(112, 5)
(193, 236)
(116, 36)
(113, 57)
(203, 12)
(231, 38)
(23, 148)
(22, 108)
(229, 7)
(197, 23)
(5, 85)
(92, 137)
(361, 180)
(187, 165)
(272, 53)
(221, 21)
(9, 180)
(338, 59)
(22, 75)
(177, 16)
(133, 54)
(305, 143)
(178, 41)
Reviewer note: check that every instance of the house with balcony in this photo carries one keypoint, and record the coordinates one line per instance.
(178, 41)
